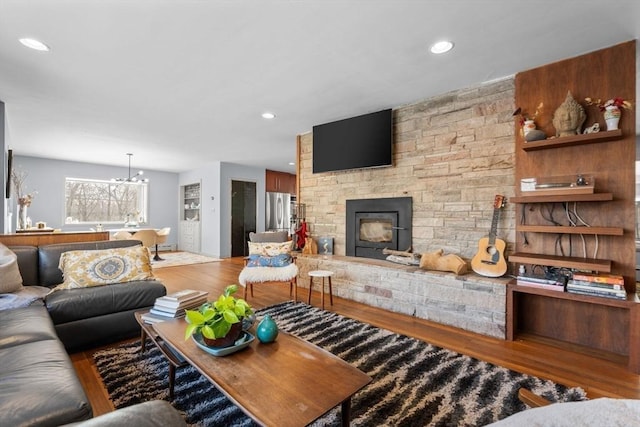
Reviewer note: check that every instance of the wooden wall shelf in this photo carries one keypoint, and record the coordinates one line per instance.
(565, 229)
(570, 141)
(630, 302)
(561, 198)
(601, 265)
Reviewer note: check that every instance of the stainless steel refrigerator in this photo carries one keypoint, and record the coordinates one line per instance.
(278, 211)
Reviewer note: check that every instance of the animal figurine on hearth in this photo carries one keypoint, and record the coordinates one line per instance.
(310, 246)
(437, 261)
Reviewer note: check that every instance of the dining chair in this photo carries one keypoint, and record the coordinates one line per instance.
(161, 237)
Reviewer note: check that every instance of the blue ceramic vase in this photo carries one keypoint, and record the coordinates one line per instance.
(267, 330)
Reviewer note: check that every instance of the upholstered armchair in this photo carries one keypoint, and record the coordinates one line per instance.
(269, 262)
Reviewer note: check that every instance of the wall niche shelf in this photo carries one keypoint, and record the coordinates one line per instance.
(190, 205)
(601, 265)
(565, 197)
(570, 141)
(566, 229)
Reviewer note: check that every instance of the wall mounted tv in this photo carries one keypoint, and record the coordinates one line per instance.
(359, 142)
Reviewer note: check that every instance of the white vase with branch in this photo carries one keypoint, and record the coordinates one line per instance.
(24, 199)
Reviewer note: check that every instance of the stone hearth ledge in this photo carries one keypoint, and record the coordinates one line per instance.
(471, 302)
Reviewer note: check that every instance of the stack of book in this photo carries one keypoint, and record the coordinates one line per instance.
(542, 282)
(600, 285)
(174, 305)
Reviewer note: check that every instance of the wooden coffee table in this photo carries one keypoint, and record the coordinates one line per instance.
(174, 359)
(289, 382)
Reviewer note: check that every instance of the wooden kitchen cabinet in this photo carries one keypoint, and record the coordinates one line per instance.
(280, 182)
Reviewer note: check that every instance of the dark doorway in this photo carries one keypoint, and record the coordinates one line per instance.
(243, 215)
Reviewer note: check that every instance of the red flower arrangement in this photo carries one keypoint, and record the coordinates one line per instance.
(615, 102)
(523, 117)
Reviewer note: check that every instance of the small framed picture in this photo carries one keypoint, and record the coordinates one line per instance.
(325, 245)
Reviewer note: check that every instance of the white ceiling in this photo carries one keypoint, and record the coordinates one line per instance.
(183, 83)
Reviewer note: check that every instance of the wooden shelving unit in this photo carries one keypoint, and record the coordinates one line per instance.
(598, 324)
(563, 229)
(189, 231)
(602, 265)
(571, 141)
(560, 198)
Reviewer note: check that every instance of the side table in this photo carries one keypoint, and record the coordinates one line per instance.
(175, 360)
(323, 274)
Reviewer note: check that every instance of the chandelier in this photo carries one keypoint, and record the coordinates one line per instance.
(131, 178)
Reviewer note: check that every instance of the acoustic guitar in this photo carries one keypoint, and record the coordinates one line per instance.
(489, 261)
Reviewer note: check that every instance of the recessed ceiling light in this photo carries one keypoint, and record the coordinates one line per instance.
(268, 115)
(292, 163)
(35, 44)
(441, 47)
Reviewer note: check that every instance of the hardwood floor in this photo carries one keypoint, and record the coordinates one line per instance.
(597, 376)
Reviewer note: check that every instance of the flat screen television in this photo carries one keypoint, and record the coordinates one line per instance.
(359, 142)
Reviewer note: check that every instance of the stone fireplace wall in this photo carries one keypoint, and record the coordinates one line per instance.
(452, 154)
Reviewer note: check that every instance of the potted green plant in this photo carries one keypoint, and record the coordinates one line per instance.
(219, 322)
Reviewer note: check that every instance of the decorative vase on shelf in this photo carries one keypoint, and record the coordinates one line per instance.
(22, 217)
(267, 330)
(612, 117)
(528, 126)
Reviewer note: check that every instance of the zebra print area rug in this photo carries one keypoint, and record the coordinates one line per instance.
(414, 383)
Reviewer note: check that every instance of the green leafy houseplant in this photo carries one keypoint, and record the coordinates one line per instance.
(214, 319)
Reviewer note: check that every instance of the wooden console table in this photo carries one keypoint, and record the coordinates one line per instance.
(47, 238)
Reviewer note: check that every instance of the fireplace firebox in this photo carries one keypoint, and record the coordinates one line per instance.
(376, 224)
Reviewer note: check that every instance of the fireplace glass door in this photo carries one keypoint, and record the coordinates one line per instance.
(376, 231)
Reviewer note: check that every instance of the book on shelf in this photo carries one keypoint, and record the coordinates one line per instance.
(598, 285)
(541, 282)
(595, 291)
(542, 279)
(611, 279)
(556, 286)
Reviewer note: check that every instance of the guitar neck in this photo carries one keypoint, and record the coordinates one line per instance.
(494, 226)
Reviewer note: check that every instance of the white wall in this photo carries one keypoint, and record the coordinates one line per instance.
(215, 212)
(47, 177)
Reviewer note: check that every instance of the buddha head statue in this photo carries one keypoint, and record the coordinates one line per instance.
(569, 117)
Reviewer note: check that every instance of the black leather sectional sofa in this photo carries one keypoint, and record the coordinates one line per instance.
(38, 384)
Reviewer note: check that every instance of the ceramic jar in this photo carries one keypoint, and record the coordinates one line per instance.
(612, 117)
(267, 330)
(528, 126)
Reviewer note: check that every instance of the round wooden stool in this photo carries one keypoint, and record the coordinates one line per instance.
(323, 274)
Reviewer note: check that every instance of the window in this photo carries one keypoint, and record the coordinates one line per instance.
(95, 201)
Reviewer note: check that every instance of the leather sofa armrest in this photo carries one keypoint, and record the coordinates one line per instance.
(155, 413)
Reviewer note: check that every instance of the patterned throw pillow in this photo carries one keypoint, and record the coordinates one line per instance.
(270, 249)
(281, 260)
(83, 269)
